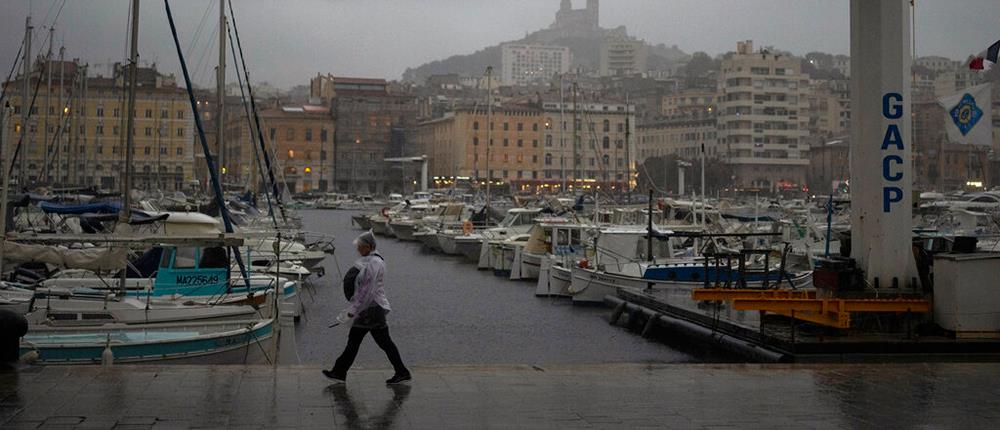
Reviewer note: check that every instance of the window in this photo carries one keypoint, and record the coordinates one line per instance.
(184, 258)
(506, 142)
(100, 150)
(290, 134)
(99, 130)
(475, 125)
(272, 132)
(115, 130)
(534, 158)
(115, 113)
(534, 127)
(180, 132)
(534, 143)
(506, 158)
(148, 131)
(607, 126)
(145, 150)
(548, 141)
(180, 114)
(506, 126)
(149, 113)
(309, 135)
(322, 135)
(548, 159)
(606, 143)
(163, 150)
(475, 141)
(520, 143)
(520, 126)
(164, 113)
(100, 112)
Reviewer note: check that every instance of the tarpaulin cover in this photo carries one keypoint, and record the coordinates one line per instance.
(92, 208)
(90, 259)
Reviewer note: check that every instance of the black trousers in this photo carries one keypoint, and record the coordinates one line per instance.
(381, 336)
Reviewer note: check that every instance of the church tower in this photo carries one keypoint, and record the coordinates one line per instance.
(594, 13)
(566, 6)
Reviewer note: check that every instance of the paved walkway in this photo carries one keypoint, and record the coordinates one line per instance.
(601, 396)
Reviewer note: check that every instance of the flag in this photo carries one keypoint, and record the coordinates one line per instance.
(976, 63)
(993, 51)
(967, 116)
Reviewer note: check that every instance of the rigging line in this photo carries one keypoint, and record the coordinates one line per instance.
(253, 138)
(55, 137)
(13, 67)
(201, 26)
(256, 116)
(20, 140)
(213, 173)
(201, 65)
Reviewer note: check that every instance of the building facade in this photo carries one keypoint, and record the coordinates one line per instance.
(456, 145)
(299, 141)
(623, 57)
(681, 136)
(589, 144)
(524, 64)
(372, 124)
(75, 135)
(763, 119)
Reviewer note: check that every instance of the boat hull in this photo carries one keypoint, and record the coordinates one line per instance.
(228, 343)
(589, 286)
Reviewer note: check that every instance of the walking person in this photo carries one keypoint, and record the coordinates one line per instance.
(364, 287)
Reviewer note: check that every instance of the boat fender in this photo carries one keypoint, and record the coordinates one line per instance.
(107, 356)
(466, 227)
(584, 263)
(385, 212)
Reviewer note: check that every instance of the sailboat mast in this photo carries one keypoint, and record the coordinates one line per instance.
(62, 112)
(489, 129)
(125, 212)
(24, 99)
(562, 132)
(48, 106)
(220, 94)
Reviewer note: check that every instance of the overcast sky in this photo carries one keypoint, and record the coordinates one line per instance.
(288, 41)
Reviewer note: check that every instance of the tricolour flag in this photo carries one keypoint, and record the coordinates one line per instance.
(967, 116)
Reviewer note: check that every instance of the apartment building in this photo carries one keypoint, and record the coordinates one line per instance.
(525, 64)
(763, 118)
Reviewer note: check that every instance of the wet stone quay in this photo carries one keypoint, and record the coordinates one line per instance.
(702, 396)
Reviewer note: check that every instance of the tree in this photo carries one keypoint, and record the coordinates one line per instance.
(700, 64)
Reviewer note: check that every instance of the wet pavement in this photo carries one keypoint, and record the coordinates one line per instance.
(447, 312)
(568, 396)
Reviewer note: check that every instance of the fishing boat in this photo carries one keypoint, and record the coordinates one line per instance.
(623, 260)
(517, 221)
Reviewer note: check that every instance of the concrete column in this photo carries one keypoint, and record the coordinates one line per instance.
(881, 166)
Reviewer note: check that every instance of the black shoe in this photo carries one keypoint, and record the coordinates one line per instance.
(337, 378)
(398, 379)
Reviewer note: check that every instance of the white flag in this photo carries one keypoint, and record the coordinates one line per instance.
(967, 116)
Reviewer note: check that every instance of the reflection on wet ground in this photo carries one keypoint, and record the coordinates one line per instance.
(568, 396)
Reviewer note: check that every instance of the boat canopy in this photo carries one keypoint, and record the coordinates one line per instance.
(90, 208)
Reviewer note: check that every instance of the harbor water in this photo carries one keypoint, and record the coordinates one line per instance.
(445, 312)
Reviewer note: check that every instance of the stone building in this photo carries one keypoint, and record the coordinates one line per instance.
(373, 123)
(76, 134)
(456, 145)
(681, 136)
(301, 138)
(588, 144)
